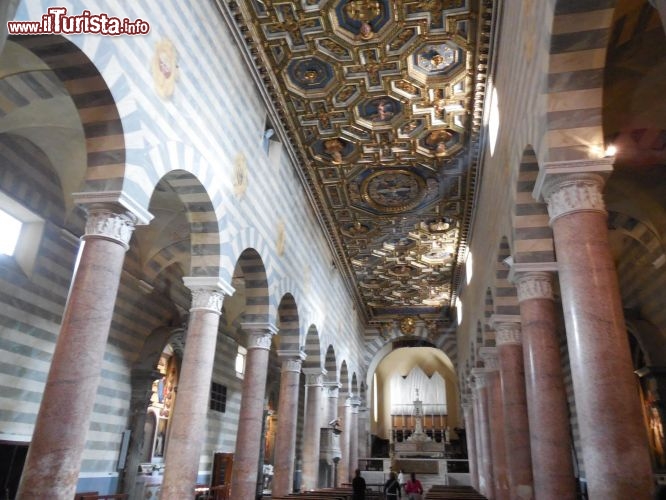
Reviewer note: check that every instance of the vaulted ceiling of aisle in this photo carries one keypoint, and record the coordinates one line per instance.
(379, 104)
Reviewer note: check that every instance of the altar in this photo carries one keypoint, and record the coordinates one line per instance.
(419, 431)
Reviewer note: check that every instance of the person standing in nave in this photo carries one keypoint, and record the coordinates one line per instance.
(414, 488)
(392, 487)
(358, 486)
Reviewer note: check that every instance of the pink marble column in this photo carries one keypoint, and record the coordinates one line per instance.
(188, 422)
(613, 438)
(547, 407)
(344, 472)
(516, 423)
(497, 424)
(484, 451)
(470, 436)
(285, 441)
(312, 426)
(53, 463)
(353, 433)
(250, 421)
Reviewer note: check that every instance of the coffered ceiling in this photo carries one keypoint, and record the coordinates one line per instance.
(379, 103)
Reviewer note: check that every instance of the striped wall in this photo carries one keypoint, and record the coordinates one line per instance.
(330, 365)
(506, 294)
(487, 338)
(641, 265)
(135, 144)
(288, 324)
(575, 78)
(103, 129)
(532, 235)
(579, 466)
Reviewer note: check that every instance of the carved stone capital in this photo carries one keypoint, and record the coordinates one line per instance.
(109, 224)
(207, 300)
(355, 403)
(574, 193)
(259, 340)
(259, 335)
(314, 377)
(534, 285)
(333, 389)
(508, 334)
(490, 359)
(481, 377)
(292, 361)
(207, 293)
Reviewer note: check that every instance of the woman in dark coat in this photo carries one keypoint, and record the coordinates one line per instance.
(391, 487)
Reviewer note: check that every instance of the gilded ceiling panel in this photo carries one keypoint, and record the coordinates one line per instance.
(380, 101)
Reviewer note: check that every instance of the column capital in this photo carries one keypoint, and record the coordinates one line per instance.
(519, 268)
(508, 333)
(292, 360)
(333, 388)
(119, 199)
(111, 223)
(490, 359)
(259, 335)
(556, 171)
(355, 403)
(534, 285)
(314, 376)
(480, 376)
(573, 186)
(207, 292)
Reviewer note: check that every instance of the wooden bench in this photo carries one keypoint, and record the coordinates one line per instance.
(441, 492)
(94, 496)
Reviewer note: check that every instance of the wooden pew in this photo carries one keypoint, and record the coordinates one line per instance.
(442, 492)
(117, 496)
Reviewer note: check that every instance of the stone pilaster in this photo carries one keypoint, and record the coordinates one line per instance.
(355, 403)
(483, 444)
(344, 412)
(142, 390)
(470, 435)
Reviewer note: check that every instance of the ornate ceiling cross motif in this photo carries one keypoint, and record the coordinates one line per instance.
(375, 99)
